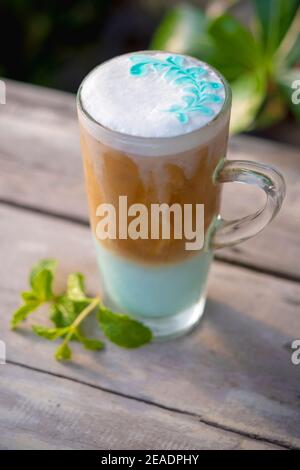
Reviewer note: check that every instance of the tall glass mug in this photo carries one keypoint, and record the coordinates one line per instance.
(152, 277)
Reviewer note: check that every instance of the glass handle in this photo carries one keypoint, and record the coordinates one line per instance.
(230, 232)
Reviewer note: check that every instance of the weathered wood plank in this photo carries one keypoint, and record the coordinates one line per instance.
(41, 167)
(235, 370)
(39, 411)
(39, 150)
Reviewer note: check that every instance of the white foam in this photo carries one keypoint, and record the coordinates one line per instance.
(137, 105)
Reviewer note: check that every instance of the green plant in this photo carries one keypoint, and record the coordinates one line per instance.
(261, 63)
(68, 311)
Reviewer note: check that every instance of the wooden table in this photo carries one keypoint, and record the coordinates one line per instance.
(228, 385)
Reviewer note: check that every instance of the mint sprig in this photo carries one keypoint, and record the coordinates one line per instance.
(69, 310)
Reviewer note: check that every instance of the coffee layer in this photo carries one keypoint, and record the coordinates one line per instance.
(183, 178)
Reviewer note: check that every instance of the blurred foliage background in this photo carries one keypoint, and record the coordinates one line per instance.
(56, 42)
(254, 43)
(259, 55)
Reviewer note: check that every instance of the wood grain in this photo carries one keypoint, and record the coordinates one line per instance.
(41, 168)
(39, 411)
(233, 372)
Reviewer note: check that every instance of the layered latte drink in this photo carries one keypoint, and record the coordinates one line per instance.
(154, 129)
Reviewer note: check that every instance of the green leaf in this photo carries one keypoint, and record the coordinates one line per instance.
(41, 278)
(236, 51)
(66, 310)
(49, 333)
(183, 30)
(63, 352)
(122, 329)
(89, 343)
(43, 285)
(48, 264)
(289, 83)
(76, 287)
(61, 314)
(22, 313)
(248, 94)
(28, 296)
(275, 17)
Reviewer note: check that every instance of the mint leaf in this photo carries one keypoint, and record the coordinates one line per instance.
(75, 287)
(89, 343)
(48, 264)
(50, 333)
(63, 352)
(65, 310)
(122, 329)
(41, 278)
(43, 285)
(28, 296)
(61, 314)
(22, 313)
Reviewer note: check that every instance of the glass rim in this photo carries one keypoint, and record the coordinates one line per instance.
(136, 139)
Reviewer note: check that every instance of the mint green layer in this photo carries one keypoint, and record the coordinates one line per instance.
(152, 291)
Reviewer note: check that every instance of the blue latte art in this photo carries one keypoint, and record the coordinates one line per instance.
(153, 94)
(200, 91)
